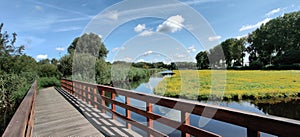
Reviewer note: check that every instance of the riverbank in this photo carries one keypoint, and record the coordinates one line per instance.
(252, 84)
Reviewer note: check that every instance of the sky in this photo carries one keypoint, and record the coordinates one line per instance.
(136, 30)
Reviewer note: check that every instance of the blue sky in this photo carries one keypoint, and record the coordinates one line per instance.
(47, 28)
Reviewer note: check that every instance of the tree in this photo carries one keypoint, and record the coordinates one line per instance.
(272, 40)
(202, 60)
(65, 65)
(91, 44)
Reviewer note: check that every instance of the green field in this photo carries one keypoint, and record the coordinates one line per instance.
(230, 84)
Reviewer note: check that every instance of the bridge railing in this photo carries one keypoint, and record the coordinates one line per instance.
(96, 95)
(22, 122)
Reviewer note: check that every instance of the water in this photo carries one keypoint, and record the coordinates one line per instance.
(289, 108)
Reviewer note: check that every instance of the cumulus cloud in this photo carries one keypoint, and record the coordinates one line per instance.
(146, 33)
(60, 49)
(272, 12)
(258, 24)
(128, 59)
(113, 15)
(241, 36)
(38, 7)
(214, 38)
(141, 60)
(172, 24)
(191, 49)
(148, 53)
(117, 49)
(140, 28)
(41, 56)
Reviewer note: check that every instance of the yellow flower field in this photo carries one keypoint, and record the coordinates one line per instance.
(230, 84)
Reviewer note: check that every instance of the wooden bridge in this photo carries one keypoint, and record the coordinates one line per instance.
(82, 109)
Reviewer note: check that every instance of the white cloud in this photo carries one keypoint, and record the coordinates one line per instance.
(140, 28)
(258, 24)
(113, 15)
(41, 56)
(191, 49)
(38, 7)
(172, 24)
(67, 29)
(60, 49)
(117, 49)
(141, 60)
(128, 59)
(272, 12)
(148, 53)
(180, 55)
(146, 33)
(241, 36)
(214, 38)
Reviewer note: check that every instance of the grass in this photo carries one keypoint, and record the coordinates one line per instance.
(230, 84)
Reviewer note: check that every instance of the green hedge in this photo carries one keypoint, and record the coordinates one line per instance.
(44, 82)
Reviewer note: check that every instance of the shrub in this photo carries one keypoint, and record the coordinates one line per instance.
(44, 82)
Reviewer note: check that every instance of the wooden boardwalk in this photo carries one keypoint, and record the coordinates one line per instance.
(54, 116)
(59, 114)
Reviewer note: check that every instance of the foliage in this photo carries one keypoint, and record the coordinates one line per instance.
(65, 65)
(276, 42)
(44, 82)
(271, 43)
(239, 84)
(103, 74)
(202, 60)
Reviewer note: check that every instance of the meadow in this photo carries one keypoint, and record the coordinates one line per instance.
(230, 84)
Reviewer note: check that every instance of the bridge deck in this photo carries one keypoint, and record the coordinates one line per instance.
(54, 116)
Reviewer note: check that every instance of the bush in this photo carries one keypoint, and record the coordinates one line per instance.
(44, 82)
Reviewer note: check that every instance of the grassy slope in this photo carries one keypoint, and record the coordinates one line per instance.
(238, 85)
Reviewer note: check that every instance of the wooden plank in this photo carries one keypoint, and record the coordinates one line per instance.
(56, 117)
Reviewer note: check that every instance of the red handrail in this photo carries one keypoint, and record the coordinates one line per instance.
(254, 123)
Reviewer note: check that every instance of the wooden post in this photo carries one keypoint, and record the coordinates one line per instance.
(95, 97)
(89, 95)
(185, 119)
(128, 114)
(149, 120)
(102, 101)
(113, 106)
(252, 133)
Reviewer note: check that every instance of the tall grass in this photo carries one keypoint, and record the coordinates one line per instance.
(250, 84)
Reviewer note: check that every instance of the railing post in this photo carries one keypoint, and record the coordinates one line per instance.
(149, 120)
(102, 101)
(89, 95)
(95, 97)
(252, 133)
(128, 114)
(185, 119)
(113, 106)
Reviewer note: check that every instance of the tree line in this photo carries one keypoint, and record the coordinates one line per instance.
(17, 73)
(275, 44)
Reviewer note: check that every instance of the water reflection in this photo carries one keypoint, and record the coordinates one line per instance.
(288, 107)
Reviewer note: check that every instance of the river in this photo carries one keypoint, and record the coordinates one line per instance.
(287, 107)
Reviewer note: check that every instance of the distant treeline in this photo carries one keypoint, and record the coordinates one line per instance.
(274, 45)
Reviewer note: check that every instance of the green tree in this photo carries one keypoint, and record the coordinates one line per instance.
(202, 60)
(65, 65)
(272, 40)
